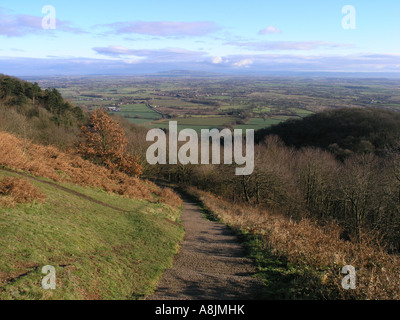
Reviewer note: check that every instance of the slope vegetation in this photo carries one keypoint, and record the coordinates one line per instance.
(108, 235)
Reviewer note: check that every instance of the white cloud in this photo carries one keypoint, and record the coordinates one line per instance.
(243, 63)
(133, 61)
(217, 60)
(288, 45)
(270, 30)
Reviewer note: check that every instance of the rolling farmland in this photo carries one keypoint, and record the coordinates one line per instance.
(221, 101)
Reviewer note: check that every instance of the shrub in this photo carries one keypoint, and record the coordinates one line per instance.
(104, 142)
(16, 190)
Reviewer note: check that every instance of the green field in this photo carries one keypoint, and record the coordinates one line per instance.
(257, 123)
(139, 113)
(196, 123)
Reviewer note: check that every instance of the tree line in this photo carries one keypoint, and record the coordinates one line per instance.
(343, 132)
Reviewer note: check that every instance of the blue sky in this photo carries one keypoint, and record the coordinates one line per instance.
(130, 37)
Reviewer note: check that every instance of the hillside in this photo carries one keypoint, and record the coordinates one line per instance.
(324, 194)
(343, 132)
(15, 92)
(41, 115)
(108, 235)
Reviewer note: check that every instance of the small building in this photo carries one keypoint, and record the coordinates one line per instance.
(113, 109)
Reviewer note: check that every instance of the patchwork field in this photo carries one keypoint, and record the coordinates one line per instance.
(234, 102)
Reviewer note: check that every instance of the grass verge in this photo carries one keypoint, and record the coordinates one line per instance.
(304, 260)
(282, 280)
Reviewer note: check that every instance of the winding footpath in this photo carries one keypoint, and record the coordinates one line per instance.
(210, 264)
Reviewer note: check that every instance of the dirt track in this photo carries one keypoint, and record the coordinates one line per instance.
(210, 264)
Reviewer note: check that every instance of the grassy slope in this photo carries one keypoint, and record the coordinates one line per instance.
(98, 252)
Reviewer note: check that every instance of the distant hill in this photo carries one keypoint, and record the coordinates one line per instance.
(187, 73)
(342, 131)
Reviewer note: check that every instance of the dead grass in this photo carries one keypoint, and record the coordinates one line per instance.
(16, 190)
(319, 248)
(169, 197)
(49, 162)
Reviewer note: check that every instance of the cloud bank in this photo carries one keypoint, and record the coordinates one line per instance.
(152, 61)
(162, 28)
(155, 55)
(287, 45)
(19, 25)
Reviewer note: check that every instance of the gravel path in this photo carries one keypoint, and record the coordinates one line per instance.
(210, 264)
